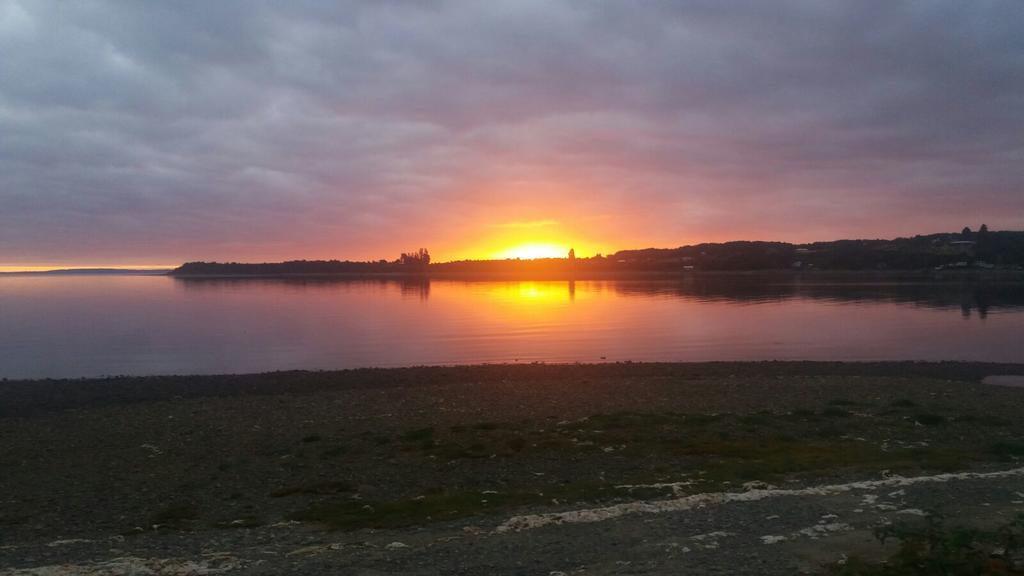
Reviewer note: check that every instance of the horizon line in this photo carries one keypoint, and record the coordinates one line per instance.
(15, 268)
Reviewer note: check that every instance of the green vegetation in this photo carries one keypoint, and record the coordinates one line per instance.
(248, 521)
(353, 514)
(438, 506)
(835, 412)
(929, 419)
(13, 519)
(936, 549)
(175, 515)
(645, 454)
(333, 452)
(326, 487)
(418, 435)
(1007, 449)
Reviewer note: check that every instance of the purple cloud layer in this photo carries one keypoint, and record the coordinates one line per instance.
(152, 132)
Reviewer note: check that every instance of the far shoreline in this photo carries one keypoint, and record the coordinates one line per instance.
(910, 274)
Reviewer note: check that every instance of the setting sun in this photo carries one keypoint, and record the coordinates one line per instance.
(533, 250)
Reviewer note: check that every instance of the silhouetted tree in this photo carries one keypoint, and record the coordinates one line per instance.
(417, 259)
(984, 248)
(966, 232)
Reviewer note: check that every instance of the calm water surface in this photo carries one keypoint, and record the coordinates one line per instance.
(93, 325)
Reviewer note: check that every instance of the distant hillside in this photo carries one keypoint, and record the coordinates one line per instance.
(955, 250)
(961, 250)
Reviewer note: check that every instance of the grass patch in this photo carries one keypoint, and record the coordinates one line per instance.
(13, 519)
(445, 505)
(243, 522)
(1007, 449)
(333, 452)
(843, 402)
(357, 514)
(455, 451)
(640, 420)
(318, 488)
(717, 451)
(755, 420)
(376, 439)
(747, 446)
(936, 549)
(418, 435)
(772, 460)
(177, 514)
(929, 419)
(516, 444)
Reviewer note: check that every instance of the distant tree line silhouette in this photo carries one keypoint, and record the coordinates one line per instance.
(966, 249)
(408, 263)
(418, 259)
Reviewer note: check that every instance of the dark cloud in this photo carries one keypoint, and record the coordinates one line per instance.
(157, 132)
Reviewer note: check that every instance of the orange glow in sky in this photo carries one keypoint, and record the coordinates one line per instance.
(527, 239)
(530, 251)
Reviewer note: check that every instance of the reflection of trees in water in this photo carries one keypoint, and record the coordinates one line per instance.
(415, 288)
(409, 287)
(967, 296)
(980, 303)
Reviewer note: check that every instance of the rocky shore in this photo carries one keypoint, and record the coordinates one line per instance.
(718, 468)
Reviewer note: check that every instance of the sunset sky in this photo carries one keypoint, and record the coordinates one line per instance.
(151, 133)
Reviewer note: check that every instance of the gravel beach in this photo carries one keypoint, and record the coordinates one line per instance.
(717, 468)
